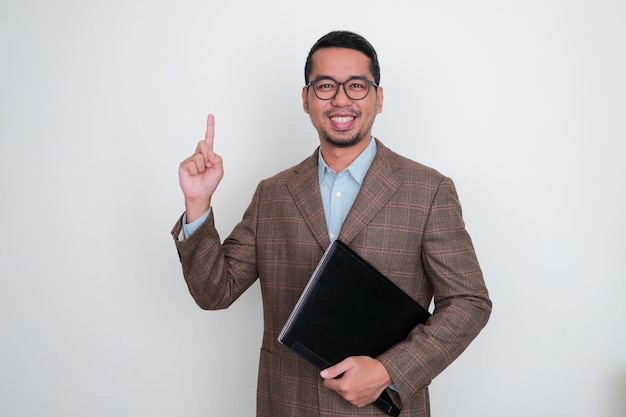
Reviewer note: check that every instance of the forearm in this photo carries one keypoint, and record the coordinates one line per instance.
(206, 269)
(429, 349)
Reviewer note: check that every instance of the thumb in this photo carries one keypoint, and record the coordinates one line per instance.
(335, 371)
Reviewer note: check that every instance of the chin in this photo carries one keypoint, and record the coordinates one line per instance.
(343, 142)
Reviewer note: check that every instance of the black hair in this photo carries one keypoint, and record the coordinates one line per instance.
(344, 39)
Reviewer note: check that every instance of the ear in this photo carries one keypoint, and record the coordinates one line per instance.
(379, 100)
(305, 99)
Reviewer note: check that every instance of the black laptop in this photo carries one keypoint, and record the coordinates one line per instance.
(348, 308)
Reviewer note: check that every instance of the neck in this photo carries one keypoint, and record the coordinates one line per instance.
(339, 158)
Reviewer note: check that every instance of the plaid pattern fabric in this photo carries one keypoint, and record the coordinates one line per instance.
(406, 221)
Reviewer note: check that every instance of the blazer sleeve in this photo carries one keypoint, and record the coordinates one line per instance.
(462, 304)
(217, 274)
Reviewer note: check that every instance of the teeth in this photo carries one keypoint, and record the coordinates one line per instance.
(344, 119)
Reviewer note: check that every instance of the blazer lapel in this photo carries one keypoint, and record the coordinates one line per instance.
(379, 185)
(305, 191)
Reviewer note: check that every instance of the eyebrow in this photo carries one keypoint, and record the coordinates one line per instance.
(365, 77)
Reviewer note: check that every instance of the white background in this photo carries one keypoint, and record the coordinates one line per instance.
(522, 103)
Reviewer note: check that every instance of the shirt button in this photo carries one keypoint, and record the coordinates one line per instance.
(338, 194)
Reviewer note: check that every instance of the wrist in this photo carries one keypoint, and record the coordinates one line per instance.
(196, 209)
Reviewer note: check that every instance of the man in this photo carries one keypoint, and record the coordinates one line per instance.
(403, 217)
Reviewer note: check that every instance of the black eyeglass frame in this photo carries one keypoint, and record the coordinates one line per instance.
(370, 84)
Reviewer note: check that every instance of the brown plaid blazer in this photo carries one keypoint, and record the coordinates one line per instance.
(406, 221)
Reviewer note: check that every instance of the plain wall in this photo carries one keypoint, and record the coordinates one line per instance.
(522, 103)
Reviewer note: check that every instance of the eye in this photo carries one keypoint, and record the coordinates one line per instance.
(357, 85)
(325, 85)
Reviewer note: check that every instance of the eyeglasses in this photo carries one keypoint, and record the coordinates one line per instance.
(356, 88)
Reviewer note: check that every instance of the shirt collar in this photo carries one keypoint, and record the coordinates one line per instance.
(357, 169)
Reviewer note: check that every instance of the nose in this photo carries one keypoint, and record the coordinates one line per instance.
(341, 97)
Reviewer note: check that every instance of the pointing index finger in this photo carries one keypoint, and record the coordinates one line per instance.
(210, 131)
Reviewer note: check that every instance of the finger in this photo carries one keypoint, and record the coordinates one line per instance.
(335, 371)
(194, 165)
(203, 151)
(210, 131)
(214, 161)
(203, 148)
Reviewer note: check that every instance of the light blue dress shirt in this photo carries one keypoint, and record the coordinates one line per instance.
(338, 191)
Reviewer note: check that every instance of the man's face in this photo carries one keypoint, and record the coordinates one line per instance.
(342, 121)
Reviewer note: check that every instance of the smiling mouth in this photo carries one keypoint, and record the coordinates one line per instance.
(342, 119)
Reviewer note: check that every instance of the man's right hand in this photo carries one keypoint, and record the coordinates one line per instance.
(200, 174)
